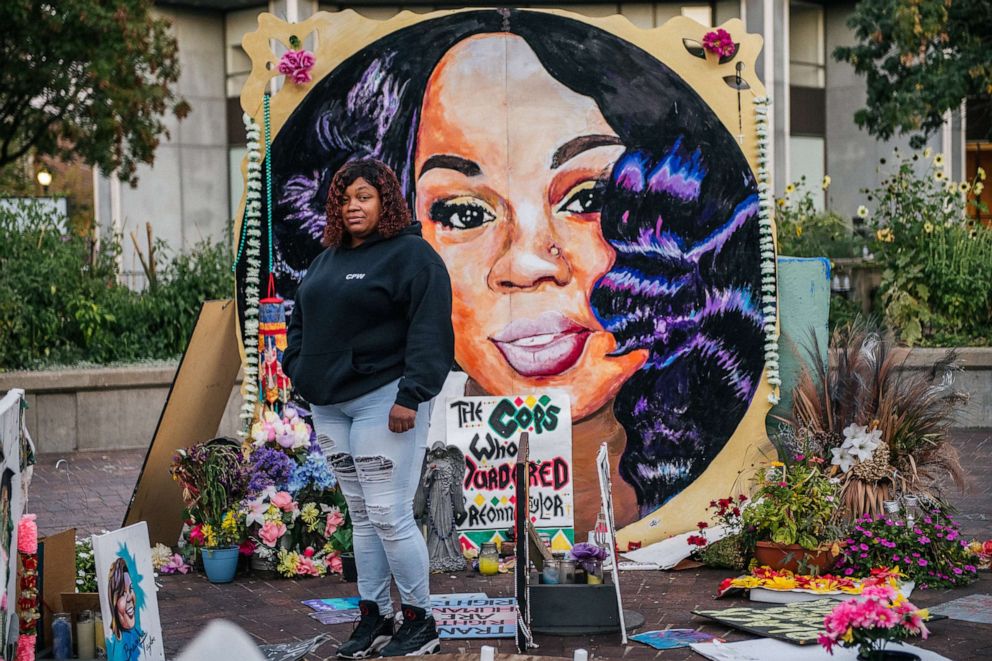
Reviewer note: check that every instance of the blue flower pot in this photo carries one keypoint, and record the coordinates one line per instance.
(220, 564)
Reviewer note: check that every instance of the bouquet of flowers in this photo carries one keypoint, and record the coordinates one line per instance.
(982, 552)
(214, 478)
(731, 551)
(930, 551)
(771, 579)
(881, 614)
(295, 515)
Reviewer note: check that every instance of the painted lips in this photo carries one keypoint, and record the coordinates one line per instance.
(544, 346)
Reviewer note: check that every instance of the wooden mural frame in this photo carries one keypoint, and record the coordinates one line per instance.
(337, 36)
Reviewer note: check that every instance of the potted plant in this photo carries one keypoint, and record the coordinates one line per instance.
(879, 616)
(219, 540)
(792, 515)
(883, 429)
(214, 481)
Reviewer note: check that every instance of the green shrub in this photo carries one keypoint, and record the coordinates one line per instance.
(803, 231)
(61, 303)
(937, 263)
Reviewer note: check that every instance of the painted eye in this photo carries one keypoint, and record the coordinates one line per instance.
(585, 198)
(462, 213)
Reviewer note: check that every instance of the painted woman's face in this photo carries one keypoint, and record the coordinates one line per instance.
(511, 166)
(125, 605)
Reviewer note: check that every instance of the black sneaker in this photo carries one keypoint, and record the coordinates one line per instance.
(371, 635)
(417, 636)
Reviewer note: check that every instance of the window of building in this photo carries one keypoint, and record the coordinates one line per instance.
(807, 156)
(807, 52)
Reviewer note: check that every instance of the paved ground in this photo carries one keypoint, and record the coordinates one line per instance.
(90, 491)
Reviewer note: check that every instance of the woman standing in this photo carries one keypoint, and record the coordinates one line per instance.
(369, 345)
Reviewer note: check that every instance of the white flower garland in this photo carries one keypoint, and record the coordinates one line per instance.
(253, 259)
(769, 286)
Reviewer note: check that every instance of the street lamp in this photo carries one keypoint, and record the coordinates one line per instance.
(45, 179)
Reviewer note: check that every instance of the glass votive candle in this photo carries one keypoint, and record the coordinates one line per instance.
(550, 574)
(489, 560)
(62, 636)
(594, 572)
(566, 571)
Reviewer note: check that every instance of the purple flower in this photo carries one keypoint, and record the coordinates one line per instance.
(970, 568)
(869, 534)
(720, 43)
(958, 571)
(923, 539)
(863, 547)
(864, 555)
(922, 562)
(895, 557)
(848, 571)
(269, 467)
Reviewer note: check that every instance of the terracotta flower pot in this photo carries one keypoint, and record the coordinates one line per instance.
(791, 556)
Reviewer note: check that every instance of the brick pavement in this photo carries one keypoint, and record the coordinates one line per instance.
(91, 490)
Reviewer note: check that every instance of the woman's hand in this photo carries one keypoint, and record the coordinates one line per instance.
(401, 419)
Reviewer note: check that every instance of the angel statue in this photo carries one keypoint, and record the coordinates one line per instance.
(440, 504)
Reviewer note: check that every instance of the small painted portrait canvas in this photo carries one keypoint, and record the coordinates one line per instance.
(128, 600)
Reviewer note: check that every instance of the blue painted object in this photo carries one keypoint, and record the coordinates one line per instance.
(220, 564)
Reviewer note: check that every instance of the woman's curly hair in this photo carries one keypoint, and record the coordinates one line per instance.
(395, 214)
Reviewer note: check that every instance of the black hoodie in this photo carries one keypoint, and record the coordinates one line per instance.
(367, 315)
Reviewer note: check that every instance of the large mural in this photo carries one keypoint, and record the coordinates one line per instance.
(587, 185)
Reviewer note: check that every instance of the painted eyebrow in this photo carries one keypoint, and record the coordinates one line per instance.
(576, 146)
(449, 162)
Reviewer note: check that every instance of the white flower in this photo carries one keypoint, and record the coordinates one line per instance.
(859, 442)
(842, 458)
(853, 431)
(161, 554)
(862, 211)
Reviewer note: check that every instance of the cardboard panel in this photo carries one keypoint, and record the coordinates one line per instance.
(57, 560)
(192, 414)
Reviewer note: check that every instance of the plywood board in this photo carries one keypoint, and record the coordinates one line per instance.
(192, 414)
(57, 556)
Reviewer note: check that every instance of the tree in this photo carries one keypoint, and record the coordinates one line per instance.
(920, 59)
(86, 78)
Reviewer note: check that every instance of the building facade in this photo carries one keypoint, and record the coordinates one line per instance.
(192, 190)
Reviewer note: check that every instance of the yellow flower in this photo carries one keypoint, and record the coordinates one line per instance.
(949, 187)
(777, 464)
(310, 514)
(288, 562)
(862, 211)
(964, 187)
(780, 201)
(826, 182)
(981, 174)
(791, 188)
(885, 235)
(209, 535)
(229, 523)
(848, 636)
(927, 152)
(938, 160)
(939, 175)
(928, 227)
(979, 187)
(799, 230)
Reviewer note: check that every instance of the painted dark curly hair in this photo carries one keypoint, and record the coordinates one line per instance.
(395, 213)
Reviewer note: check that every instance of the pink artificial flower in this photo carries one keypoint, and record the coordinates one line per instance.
(306, 567)
(247, 547)
(719, 42)
(308, 552)
(283, 501)
(25, 647)
(271, 532)
(175, 565)
(334, 519)
(196, 536)
(27, 534)
(333, 563)
(297, 65)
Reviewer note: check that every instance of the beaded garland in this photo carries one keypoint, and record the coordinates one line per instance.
(769, 285)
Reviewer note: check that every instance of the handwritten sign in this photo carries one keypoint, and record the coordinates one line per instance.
(487, 430)
(797, 623)
(485, 618)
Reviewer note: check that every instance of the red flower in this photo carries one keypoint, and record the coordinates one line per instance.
(196, 536)
(719, 42)
(702, 524)
(308, 552)
(247, 547)
(737, 511)
(696, 540)
(742, 498)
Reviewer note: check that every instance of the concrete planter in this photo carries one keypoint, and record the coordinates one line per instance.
(101, 408)
(119, 407)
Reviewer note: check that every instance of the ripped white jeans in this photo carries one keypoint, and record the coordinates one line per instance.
(378, 472)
